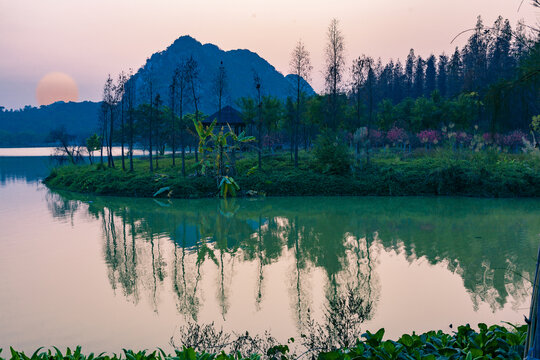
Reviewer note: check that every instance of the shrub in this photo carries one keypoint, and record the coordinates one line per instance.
(331, 154)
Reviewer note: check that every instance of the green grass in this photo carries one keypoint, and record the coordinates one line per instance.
(483, 174)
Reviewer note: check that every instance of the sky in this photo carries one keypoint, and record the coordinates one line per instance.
(87, 40)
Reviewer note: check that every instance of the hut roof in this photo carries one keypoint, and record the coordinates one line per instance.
(229, 115)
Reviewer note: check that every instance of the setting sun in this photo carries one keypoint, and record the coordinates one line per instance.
(56, 86)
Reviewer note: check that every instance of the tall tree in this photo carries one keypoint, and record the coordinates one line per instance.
(257, 83)
(300, 66)
(431, 75)
(500, 58)
(119, 94)
(149, 82)
(335, 64)
(419, 77)
(398, 82)
(176, 97)
(409, 73)
(129, 98)
(220, 86)
(110, 100)
(455, 74)
(192, 80)
(364, 76)
(442, 81)
(475, 58)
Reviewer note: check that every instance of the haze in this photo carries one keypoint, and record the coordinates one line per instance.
(89, 39)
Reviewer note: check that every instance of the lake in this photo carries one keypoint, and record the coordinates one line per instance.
(110, 273)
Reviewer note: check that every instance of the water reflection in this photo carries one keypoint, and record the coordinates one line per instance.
(28, 169)
(154, 246)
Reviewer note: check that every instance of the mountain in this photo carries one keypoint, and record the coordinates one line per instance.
(240, 67)
(31, 126)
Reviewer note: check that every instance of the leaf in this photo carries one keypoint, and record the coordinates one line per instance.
(162, 190)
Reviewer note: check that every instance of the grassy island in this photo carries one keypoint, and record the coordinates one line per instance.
(438, 172)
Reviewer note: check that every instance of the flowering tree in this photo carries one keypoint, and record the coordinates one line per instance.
(429, 137)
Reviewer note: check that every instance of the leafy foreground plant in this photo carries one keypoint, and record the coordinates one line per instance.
(495, 342)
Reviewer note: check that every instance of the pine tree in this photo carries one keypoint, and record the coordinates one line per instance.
(455, 74)
(419, 77)
(431, 75)
(442, 75)
(409, 73)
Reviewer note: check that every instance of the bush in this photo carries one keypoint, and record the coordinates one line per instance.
(331, 154)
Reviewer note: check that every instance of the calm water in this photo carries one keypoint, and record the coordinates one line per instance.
(109, 273)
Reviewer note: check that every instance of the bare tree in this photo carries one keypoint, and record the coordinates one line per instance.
(182, 93)
(362, 83)
(301, 67)
(103, 128)
(257, 82)
(220, 87)
(110, 100)
(120, 90)
(173, 93)
(149, 80)
(335, 63)
(129, 98)
(192, 79)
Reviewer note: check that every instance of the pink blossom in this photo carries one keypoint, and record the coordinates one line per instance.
(429, 136)
(397, 135)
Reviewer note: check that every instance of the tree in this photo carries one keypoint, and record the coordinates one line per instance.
(431, 75)
(364, 77)
(65, 147)
(220, 86)
(257, 82)
(129, 98)
(103, 128)
(300, 65)
(176, 95)
(442, 81)
(272, 112)
(110, 100)
(475, 58)
(93, 143)
(120, 90)
(419, 77)
(409, 73)
(335, 64)
(158, 122)
(455, 74)
(149, 81)
(192, 80)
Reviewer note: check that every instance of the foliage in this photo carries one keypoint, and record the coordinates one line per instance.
(439, 172)
(331, 154)
(228, 186)
(494, 342)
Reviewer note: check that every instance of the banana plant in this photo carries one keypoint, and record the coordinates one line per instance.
(205, 134)
(218, 144)
(228, 186)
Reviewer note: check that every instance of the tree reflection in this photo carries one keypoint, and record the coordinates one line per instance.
(150, 246)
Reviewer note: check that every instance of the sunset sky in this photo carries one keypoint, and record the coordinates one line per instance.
(89, 39)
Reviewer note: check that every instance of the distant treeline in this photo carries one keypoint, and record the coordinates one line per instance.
(31, 126)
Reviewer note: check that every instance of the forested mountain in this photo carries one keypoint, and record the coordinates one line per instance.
(31, 125)
(240, 67)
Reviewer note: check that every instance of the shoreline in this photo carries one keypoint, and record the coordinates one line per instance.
(418, 177)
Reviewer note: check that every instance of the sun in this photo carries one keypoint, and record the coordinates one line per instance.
(56, 86)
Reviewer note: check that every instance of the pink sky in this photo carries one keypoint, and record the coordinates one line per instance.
(89, 39)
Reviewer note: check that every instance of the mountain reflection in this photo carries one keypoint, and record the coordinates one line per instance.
(152, 246)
